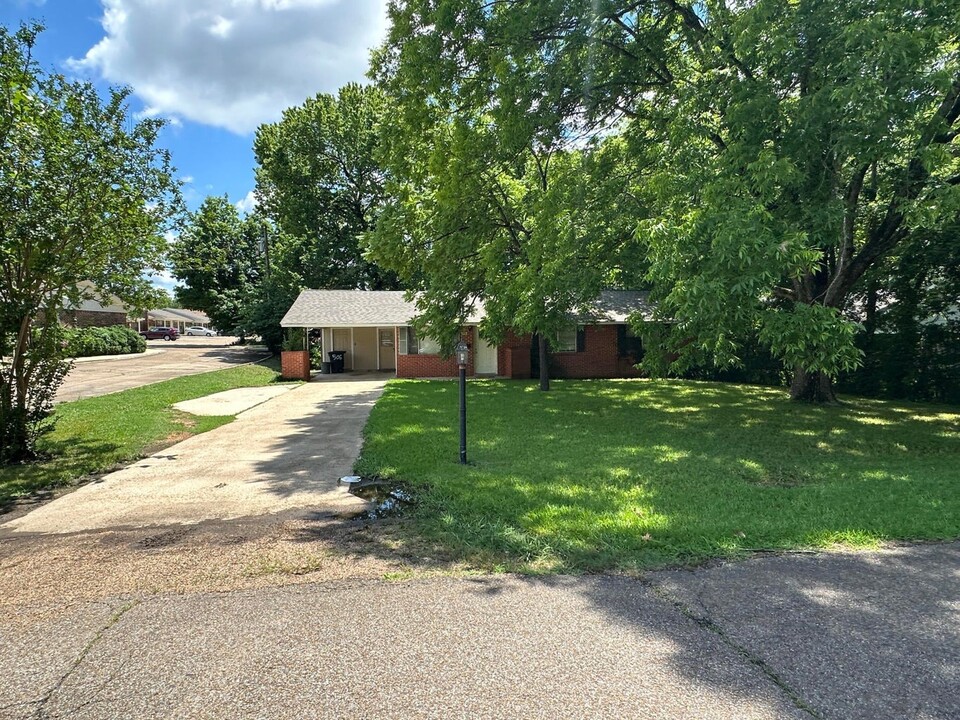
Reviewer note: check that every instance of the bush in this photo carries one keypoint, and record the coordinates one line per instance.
(114, 340)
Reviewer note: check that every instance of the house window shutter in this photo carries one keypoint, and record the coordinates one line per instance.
(581, 338)
(413, 347)
(622, 341)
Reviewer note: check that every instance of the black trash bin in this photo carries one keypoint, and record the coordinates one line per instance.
(336, 360)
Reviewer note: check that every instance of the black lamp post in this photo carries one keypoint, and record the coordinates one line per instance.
(463, 357)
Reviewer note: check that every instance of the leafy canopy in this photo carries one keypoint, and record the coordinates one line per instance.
(219, 259)
(781, 148)
(84, 196)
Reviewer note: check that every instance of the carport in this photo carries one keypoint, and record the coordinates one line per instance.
(364, 326)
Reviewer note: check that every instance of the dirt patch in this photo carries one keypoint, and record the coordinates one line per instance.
(164, 539)
(214, 556)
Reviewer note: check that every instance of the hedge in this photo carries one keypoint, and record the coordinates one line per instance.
(114, 340)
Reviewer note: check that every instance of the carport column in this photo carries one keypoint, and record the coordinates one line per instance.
(353, 351)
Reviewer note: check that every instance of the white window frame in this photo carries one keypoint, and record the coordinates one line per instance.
(571, 332)
(424, 345)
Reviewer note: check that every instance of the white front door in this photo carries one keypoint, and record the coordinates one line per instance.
(485, 355)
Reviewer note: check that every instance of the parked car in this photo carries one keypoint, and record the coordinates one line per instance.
(156, 333)
(204, 332)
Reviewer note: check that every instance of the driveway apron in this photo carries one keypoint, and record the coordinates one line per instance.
(285, 454)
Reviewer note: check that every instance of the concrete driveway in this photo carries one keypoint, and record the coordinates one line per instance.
(166, 360)
(285, 454)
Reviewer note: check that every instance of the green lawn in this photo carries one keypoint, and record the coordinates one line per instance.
(97, 434)
(618, 475)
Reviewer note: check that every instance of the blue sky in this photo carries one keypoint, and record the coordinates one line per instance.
(215, 69)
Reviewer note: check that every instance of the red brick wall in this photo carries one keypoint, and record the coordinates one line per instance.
(413, 366)
(89, 318)
(295, 364)
(598, 360)
(513, 356)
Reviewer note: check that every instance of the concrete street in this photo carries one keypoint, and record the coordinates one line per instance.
(186, 356)
(786, 637)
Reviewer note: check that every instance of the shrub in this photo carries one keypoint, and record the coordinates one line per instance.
(114, 340)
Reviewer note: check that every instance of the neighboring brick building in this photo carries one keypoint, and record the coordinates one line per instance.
(373, 329)
(92, 310)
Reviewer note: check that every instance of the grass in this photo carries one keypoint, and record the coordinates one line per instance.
(626, 475)
(97, 434)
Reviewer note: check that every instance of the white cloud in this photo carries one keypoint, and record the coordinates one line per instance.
(163, 279)
(248, 204)
(187, 179)
(234, 63)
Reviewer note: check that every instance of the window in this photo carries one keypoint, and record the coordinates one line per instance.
(428, 346)
(629, 344)
(411, 344)
(570, 339)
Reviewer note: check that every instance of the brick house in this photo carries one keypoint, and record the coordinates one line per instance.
(372, 328)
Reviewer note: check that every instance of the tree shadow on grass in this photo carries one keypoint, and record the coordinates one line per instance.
(66, 462)
(605, 474)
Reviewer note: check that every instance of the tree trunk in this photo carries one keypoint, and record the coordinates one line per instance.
(544, 348)
(13, 403)
(812, 387)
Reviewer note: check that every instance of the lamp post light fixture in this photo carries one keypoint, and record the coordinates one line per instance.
(463, 357)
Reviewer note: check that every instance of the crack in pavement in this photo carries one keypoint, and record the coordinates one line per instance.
(92, 697)
(38, 713)
(703, 620)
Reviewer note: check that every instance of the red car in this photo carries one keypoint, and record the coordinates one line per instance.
(156, 333)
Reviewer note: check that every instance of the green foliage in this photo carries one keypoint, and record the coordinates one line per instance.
(85, 196)
(92, 341)
(319, 181)
(295, 339)
(622, 475)
(780, 150)
(97, 434)
(911, 317)
(795, 155)
(492, 200)
(218, 258)
(320, 184)
(26, 415)
(268, 303)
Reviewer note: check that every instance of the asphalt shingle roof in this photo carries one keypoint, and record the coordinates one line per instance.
(615, 306)
(359, 308)
(349, 308)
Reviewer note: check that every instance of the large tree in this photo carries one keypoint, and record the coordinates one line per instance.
(84, 196)
(219, 258)
(789, 146)
(495, 198)
(319, 181)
